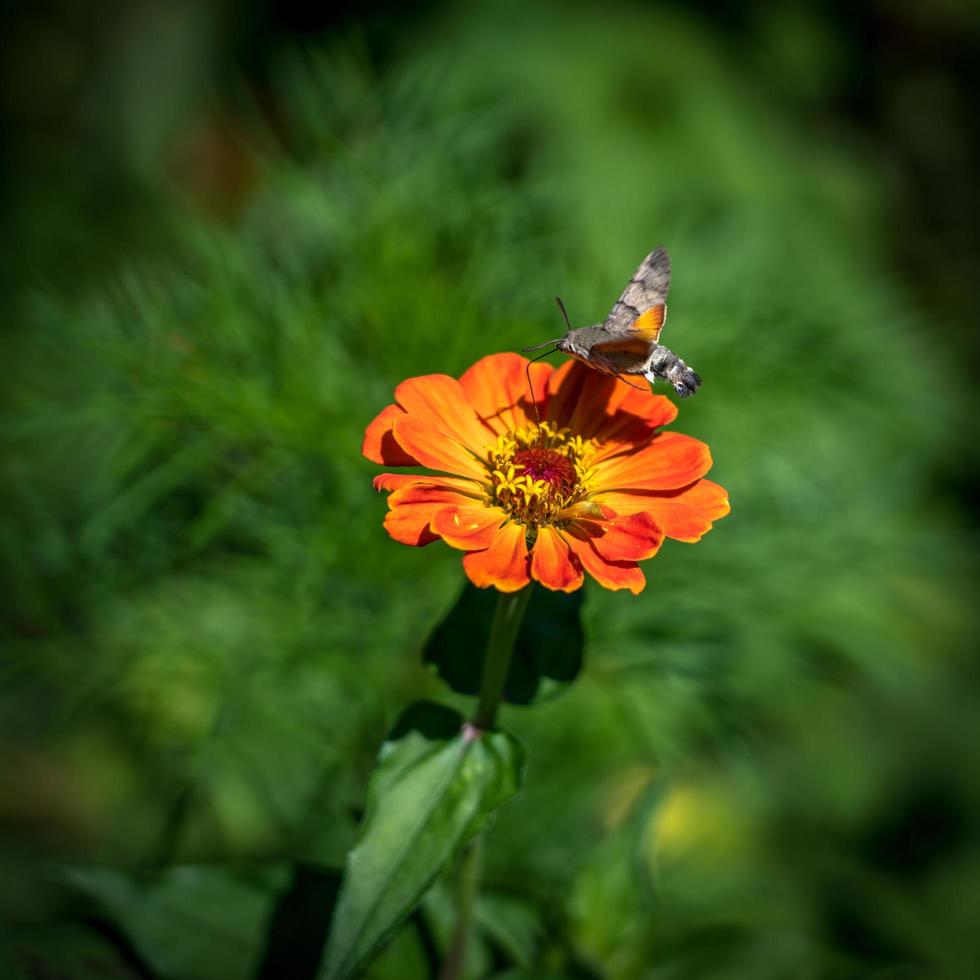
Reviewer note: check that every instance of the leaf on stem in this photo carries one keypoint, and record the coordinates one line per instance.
(547, 653)
(435, 786)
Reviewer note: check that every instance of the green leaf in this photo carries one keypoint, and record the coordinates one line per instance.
(547, 652)
(188, 921)
(511, 924)
(611, 900)
(73, 950)
(404, 957)
(436, 785)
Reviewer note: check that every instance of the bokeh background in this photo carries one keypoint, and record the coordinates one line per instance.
(232, 228)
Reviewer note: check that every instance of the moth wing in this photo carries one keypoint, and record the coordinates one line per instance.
(642, 307)
(636, 341)
(634, 346)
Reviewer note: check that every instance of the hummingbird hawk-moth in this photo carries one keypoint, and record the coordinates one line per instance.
(626, 342)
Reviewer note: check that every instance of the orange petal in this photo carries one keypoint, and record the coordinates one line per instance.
(587, 401)
(412, 508)
(379, 441)
(656, 409)
(410, 525)
(609, 574)
(670, 461)
(551, 563)
(469, 526)
(630, 538)
(600, 405)
(640, 415)
(599, 397)
(587, 510)
(395, 481)
(496, 387)
(607, 409)
(564, 386)
(504, 564)
(685, 514)
(440, 401)
(433, 448)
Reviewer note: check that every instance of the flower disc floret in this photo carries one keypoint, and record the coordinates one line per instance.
(537, 473)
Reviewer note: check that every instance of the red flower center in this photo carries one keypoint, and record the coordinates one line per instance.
(536, 473)
(545, 464)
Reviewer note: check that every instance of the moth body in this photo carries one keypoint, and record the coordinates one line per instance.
(586, 345)
(627, 341)
(664, 363)
(579, 344)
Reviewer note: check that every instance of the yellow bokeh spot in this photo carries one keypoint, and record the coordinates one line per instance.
(700, 821)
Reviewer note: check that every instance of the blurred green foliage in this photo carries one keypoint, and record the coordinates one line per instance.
(768, 767)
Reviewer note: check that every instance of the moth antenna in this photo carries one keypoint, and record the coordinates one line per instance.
(561, 306)
(530, 386)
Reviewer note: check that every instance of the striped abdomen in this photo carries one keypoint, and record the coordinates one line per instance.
(664, 363)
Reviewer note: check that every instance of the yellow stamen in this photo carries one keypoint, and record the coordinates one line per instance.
(538, 473)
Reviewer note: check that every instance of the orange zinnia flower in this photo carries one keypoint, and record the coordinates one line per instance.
(594, 487)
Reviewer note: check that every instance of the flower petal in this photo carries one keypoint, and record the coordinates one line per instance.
(565, 388)
(587, 510)
(639, 416)
(657, 410)
(631, 538)
(433, 448)
(586, 400)
(598, 402)
(412, 508)
(551, 563)
(469, 526)
(504, 564)
(496, 387)
(685, 515)
(670, 461)
(395, 481)
(441, 402)
(410, 525)
(379, 444)
(609, 574)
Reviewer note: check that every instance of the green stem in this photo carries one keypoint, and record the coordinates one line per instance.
(469, 882)
(507, 618)
(506, 622)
